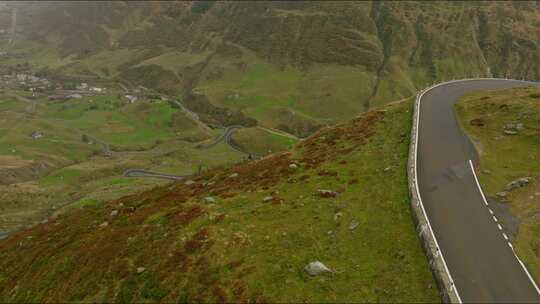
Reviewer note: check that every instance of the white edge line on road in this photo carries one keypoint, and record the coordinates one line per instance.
(419, 99)
(504, 235)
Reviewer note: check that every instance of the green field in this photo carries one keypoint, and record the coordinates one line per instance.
(38, 177)
(504, 158)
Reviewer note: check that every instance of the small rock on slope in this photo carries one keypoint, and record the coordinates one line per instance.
(316, 268)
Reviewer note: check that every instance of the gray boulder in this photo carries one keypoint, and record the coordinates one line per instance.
(209, 200)
(518, 183)
(327, 193)
(510, 132)
(316, 268)
(354, 224)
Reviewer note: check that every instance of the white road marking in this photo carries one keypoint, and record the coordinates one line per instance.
(495, 219)
(504, 235)
(490, 211)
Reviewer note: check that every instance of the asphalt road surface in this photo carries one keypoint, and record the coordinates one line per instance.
(479, 258)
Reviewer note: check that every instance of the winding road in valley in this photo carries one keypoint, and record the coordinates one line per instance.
(474, 243)
(225, 137)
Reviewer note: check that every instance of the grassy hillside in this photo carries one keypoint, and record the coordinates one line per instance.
(316, 62)
(505, 158)
(250, 242)
(38, 177)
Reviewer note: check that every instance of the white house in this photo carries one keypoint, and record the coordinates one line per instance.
(96, 89)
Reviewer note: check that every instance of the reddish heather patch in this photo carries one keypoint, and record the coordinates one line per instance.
(227, 195)
(234, 264)
(219, 218)
(320, 147)
(186, 217)
(179, 258)
(239, 292)
(220, 294)
(246, 271)
(199, 241)
(327, 173)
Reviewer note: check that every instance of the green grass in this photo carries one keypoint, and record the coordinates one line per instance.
(123, 126)
(242, 249)
(260, 142)
(69, 176)
(507, 158)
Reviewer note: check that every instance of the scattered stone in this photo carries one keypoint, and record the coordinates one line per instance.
(267, 199)
(387, 169)
(327, 193)
(518, 183)
(233, 175)
(189, 182)
(337, 216)
(486, 172)
(512, 128)
(209, 200)
(104, 224)
(316, 268)
(537, 193)
(477, 122)
(354, 224)
(140, 269)
(293, 166)
(502, 194)
(114, 213)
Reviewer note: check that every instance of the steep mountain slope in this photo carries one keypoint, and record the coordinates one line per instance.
(243, 233)
(315, 62)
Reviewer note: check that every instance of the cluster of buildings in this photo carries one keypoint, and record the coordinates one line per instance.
(26, 81)
(84, 87)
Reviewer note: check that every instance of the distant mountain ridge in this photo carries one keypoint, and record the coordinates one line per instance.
(382, 50)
